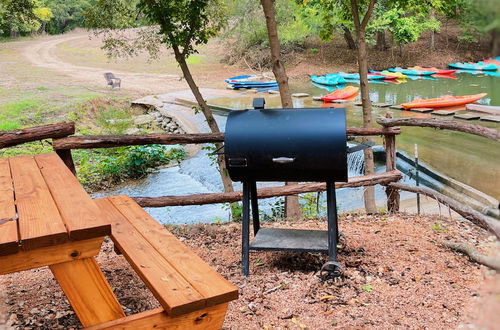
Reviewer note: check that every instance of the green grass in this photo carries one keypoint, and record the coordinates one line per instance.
(8, 125)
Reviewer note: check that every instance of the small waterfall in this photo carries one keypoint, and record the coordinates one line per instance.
(355, 163)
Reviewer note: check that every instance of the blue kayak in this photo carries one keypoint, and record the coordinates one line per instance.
(328, 80)
(412, 72)
(355, 76)
(245, 77)
(479, 66)
(329, 88)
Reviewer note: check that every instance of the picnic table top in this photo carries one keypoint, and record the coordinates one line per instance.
(42, 204)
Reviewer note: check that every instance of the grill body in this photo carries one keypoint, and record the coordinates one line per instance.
(286, 145)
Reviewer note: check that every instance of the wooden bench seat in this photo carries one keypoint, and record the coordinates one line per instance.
(186, 287)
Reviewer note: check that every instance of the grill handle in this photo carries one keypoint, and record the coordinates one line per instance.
(283, 160)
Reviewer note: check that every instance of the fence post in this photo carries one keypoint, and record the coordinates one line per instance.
(65, 155)
(390, 164)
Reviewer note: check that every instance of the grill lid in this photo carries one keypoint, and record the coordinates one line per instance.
(306, 144)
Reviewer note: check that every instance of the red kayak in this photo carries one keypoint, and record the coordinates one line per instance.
(438, 71)
(445, 101)
(341, 94)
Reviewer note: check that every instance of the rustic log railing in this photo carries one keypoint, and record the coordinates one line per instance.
(53, 131)
(112, 141)
(452, 125)
(294, 189)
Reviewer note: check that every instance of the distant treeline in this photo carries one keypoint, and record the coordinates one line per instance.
(401, 21)
(28, 17)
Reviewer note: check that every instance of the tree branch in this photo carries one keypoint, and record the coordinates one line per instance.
(474, 255)
(368, 14)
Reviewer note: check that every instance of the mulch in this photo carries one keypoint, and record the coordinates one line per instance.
(397, 275)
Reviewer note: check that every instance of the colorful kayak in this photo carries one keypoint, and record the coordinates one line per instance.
(445, 101)
(328, 80)
(480, 66)
(245, 77)
(341, 94)
(495, 61)
(386, 76)
(412, 72)
(355, 76)
(398, 75)
(438, 71)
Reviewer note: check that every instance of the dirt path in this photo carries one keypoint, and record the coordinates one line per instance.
(43, 53)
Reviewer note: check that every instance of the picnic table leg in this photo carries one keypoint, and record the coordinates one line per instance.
(87, 290)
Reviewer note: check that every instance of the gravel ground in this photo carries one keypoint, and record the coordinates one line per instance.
(397, 276)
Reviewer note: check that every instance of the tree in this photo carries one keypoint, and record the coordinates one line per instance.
(292, 209)
(479, 18)
(360, 25)
(178, 24)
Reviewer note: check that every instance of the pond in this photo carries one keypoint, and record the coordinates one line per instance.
(470, 159)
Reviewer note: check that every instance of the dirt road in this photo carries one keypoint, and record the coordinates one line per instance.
(43, 53)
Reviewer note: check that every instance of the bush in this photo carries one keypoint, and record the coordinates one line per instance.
(101, 168)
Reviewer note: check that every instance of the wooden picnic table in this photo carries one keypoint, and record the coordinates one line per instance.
(47, 219)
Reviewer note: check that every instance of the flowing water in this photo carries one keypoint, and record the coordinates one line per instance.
(467, 158)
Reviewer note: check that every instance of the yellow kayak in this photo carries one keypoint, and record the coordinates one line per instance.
(399, 75)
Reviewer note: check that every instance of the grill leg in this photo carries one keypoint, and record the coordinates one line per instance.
(245, 231)
(333, 228)
(255, 207)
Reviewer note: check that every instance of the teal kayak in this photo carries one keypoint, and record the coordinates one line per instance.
(328, 80)
(355, 76)
(474, 66)
(412, 72)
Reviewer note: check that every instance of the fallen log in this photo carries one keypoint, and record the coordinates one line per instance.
(294, 189)
(442, 124)
(474, 255)
(12, 138)
(112, 141)
(477, 218)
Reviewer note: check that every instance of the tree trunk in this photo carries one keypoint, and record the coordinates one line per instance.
(381, 42)
(292, 207)
(207, 112)
(360, 25)
(349, 39)
(432, 43)
(495, 43)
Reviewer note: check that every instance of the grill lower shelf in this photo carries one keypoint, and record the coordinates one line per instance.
(290, 240)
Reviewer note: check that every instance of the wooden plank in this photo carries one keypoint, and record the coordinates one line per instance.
(87, 290)
(82, 217)
(467, 116)
(9, 242)
(495, 119)
(209, 283)
(39, 221)
(443, 113)
(24, 260)
(422, 110)
(210, 318)
(174, 293)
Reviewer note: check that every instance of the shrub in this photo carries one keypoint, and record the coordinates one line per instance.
(101, 168)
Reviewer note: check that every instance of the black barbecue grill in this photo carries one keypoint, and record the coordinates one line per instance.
(287, 145)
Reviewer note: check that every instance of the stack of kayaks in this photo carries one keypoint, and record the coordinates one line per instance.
(441, 102)
(412, 72)
(341, 94)
(328, 80)
(479, 66)
(249, 81)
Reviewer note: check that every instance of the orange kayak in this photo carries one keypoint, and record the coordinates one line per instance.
(445, 101)
(341, 94)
